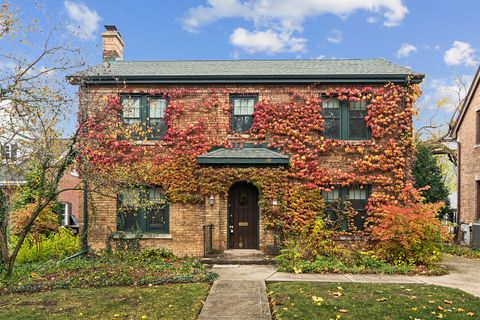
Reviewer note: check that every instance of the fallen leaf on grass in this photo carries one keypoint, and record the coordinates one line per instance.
(343, 310)
(381, 299)
(470, 314)
(448, 301)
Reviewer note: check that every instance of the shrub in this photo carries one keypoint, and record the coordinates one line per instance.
(55, 246)
(46, 221)
(409, 232)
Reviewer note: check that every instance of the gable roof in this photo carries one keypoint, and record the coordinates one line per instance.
(465, 104)
(221, 71)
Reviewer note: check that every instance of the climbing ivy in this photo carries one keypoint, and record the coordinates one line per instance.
(293, 126)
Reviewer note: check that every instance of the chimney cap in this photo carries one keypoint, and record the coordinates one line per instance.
(110, 27)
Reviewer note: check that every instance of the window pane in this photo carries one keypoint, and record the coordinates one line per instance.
(357, 126)
(358, 198)
(330, 196)
(131, 107)
(243, 106)
(358, 105)
(157, 108)
(357, 194)
(157, 220)
(157, 213)
(330, 103)
(331, 116)
(332, 128)
(128, 210)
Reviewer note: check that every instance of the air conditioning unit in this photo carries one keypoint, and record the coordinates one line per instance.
(465, 228)
(476, 236)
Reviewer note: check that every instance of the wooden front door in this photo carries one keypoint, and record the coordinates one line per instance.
(243, 216)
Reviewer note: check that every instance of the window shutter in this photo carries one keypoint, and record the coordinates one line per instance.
(3, 152)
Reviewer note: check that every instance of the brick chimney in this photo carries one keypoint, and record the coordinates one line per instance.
(112, 44)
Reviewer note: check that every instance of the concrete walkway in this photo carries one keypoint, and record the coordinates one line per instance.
(237, 300)
(240, 291)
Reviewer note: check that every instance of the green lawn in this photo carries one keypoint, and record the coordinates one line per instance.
(302, 300)
(175, 301)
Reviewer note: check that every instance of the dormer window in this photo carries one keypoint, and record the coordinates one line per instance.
(242, 112)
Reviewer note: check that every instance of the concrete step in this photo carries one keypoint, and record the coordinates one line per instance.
(243, 256)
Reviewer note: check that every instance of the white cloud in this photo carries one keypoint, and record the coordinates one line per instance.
(282, 18)
(335, 36)
(84, 21)
(405, 50)
(266, 41)
(461, 53)
(445, 94)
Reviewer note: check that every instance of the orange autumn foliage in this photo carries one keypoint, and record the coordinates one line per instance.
(409, 231)
(47, 220)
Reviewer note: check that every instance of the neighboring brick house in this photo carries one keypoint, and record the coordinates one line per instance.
(466, 132)
(221, 114)
(70, 196)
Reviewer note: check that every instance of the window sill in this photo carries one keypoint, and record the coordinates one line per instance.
(148, 142)
(131, 235)
(477, 146)
(239, 135)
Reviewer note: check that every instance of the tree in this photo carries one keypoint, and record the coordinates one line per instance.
(436, 134)
(34, 87)
(427, 172)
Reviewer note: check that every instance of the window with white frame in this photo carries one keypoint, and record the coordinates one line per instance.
(9, 151)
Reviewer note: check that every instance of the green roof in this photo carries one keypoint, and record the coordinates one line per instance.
(254, 155)
(197, 71)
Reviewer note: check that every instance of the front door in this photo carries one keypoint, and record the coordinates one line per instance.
(243, 216)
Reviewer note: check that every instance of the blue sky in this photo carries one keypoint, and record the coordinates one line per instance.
(438, 38)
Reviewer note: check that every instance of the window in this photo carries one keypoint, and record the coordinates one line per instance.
(145, 115)
(242, 112)
(142, 209)
(345, 119)
(478, 127)
(68, 219)
(9, 151)
(335, 202)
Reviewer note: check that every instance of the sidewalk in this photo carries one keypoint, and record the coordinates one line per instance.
(464, 275)
(240, 291)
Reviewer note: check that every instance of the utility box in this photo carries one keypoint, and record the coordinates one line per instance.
(465, 228)
(475, 236)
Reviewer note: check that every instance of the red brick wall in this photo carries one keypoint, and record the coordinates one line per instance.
(71, 181)
(469, 163)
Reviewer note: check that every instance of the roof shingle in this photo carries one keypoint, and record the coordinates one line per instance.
(249, 69)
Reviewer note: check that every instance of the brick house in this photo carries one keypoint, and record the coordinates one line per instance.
(226, 143)
(466, 131)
